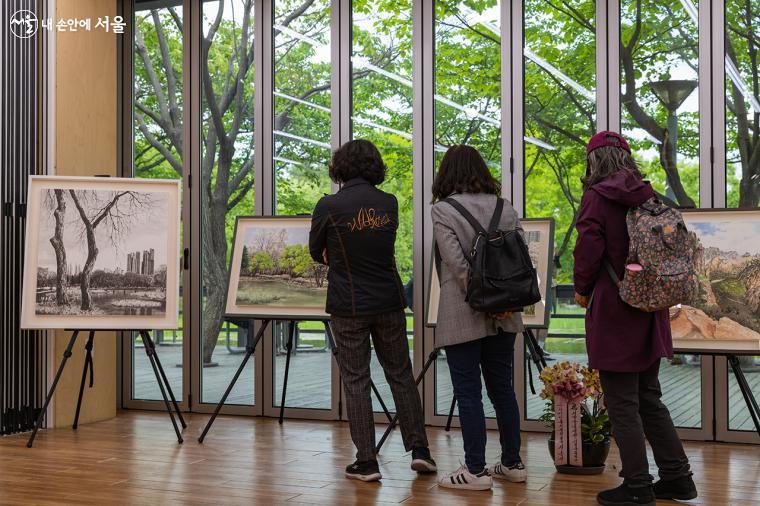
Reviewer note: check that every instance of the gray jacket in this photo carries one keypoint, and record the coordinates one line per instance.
(457, 321)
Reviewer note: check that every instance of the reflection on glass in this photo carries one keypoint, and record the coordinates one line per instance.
(467, 104)
(468, 78)
(301, 104)
(560, 115)
(301, 155)
(157, 138)
(226, 182)
(658, 97)
(382, 113)
(742, 104)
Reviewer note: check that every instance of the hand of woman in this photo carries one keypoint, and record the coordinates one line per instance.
(324, 256)
(502, 316)
(582, 300)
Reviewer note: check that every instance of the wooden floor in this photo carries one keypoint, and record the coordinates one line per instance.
(309, 384)
(134, 459)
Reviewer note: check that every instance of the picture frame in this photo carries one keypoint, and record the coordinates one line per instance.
(542, 229)
(271, 289)
(101, 253)
(726, 313)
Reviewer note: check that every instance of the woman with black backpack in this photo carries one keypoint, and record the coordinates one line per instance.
(625, 343)
(474, 340)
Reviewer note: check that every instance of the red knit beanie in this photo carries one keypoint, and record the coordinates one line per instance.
(601, 140)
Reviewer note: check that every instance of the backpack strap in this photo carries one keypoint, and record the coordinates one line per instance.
(611, 272)
(496, 218)
(467, 216)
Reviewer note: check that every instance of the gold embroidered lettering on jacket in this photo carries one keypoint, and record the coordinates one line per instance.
(368, 218)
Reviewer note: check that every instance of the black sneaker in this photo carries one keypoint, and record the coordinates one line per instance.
(422, 462)
(366, 470)
(626, 495)
(681, 489)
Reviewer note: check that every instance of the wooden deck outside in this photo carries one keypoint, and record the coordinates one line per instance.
(309, 384)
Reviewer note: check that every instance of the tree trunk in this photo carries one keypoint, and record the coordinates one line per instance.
(214, 273)
(61, 273)
(84, 283)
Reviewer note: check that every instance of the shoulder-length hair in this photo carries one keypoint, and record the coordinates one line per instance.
(357, 159)
(463, 170)
(606, 161)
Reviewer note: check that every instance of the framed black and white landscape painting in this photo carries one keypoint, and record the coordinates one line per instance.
(101, 253)
(272, 274)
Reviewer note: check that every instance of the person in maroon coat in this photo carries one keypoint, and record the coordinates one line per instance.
(624, 343)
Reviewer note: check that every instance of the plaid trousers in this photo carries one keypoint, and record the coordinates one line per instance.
(388, 331)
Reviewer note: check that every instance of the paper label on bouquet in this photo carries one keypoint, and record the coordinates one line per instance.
(560, 430)
(574, 439)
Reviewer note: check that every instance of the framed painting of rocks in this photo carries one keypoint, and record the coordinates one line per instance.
(272, 274)
(539, 235)
(101, 253)
(726, 312)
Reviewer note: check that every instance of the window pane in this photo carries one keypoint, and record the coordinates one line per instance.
(468, 78)
(301, 105)
(301, 156)
(658, 98)
(157, 138)
(467, 101)
(742, 162)
(226, 182)
(560, 115)
(382, 113)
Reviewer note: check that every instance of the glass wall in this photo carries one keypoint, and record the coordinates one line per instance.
(303, 102)
(301, 136)
(467, 102)
(742, 104)
(157, 146)
(226, 185)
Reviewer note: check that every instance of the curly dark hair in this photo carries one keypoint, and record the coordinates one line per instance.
(357, 158)
(463, 170)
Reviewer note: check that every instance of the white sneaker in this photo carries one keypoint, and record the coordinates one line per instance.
(515, 474)
(463, 479)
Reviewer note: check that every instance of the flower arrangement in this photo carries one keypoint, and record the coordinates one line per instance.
(577, 383)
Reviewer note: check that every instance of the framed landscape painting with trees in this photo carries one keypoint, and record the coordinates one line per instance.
(101, 253)
(272, 274)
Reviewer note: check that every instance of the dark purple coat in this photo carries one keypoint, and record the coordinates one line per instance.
(619, 337)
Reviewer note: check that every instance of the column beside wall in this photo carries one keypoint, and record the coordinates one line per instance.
(86, 145)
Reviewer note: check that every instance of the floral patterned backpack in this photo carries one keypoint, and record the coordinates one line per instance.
(660, 269)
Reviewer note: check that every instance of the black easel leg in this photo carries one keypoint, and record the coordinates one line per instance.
(746, 390)
(431, 358)
(149, 342)
(289, 348)
(66, 355)
(87, 366)
(249, 350)
(151, 352)
(451, 414)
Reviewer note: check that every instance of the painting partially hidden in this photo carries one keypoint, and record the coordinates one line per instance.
(272, 274)
(726, 313)
(101, 253)
(539, 235)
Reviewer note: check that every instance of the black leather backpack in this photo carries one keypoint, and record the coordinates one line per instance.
(502, 276)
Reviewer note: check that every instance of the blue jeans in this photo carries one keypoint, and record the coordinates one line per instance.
(493, 355)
